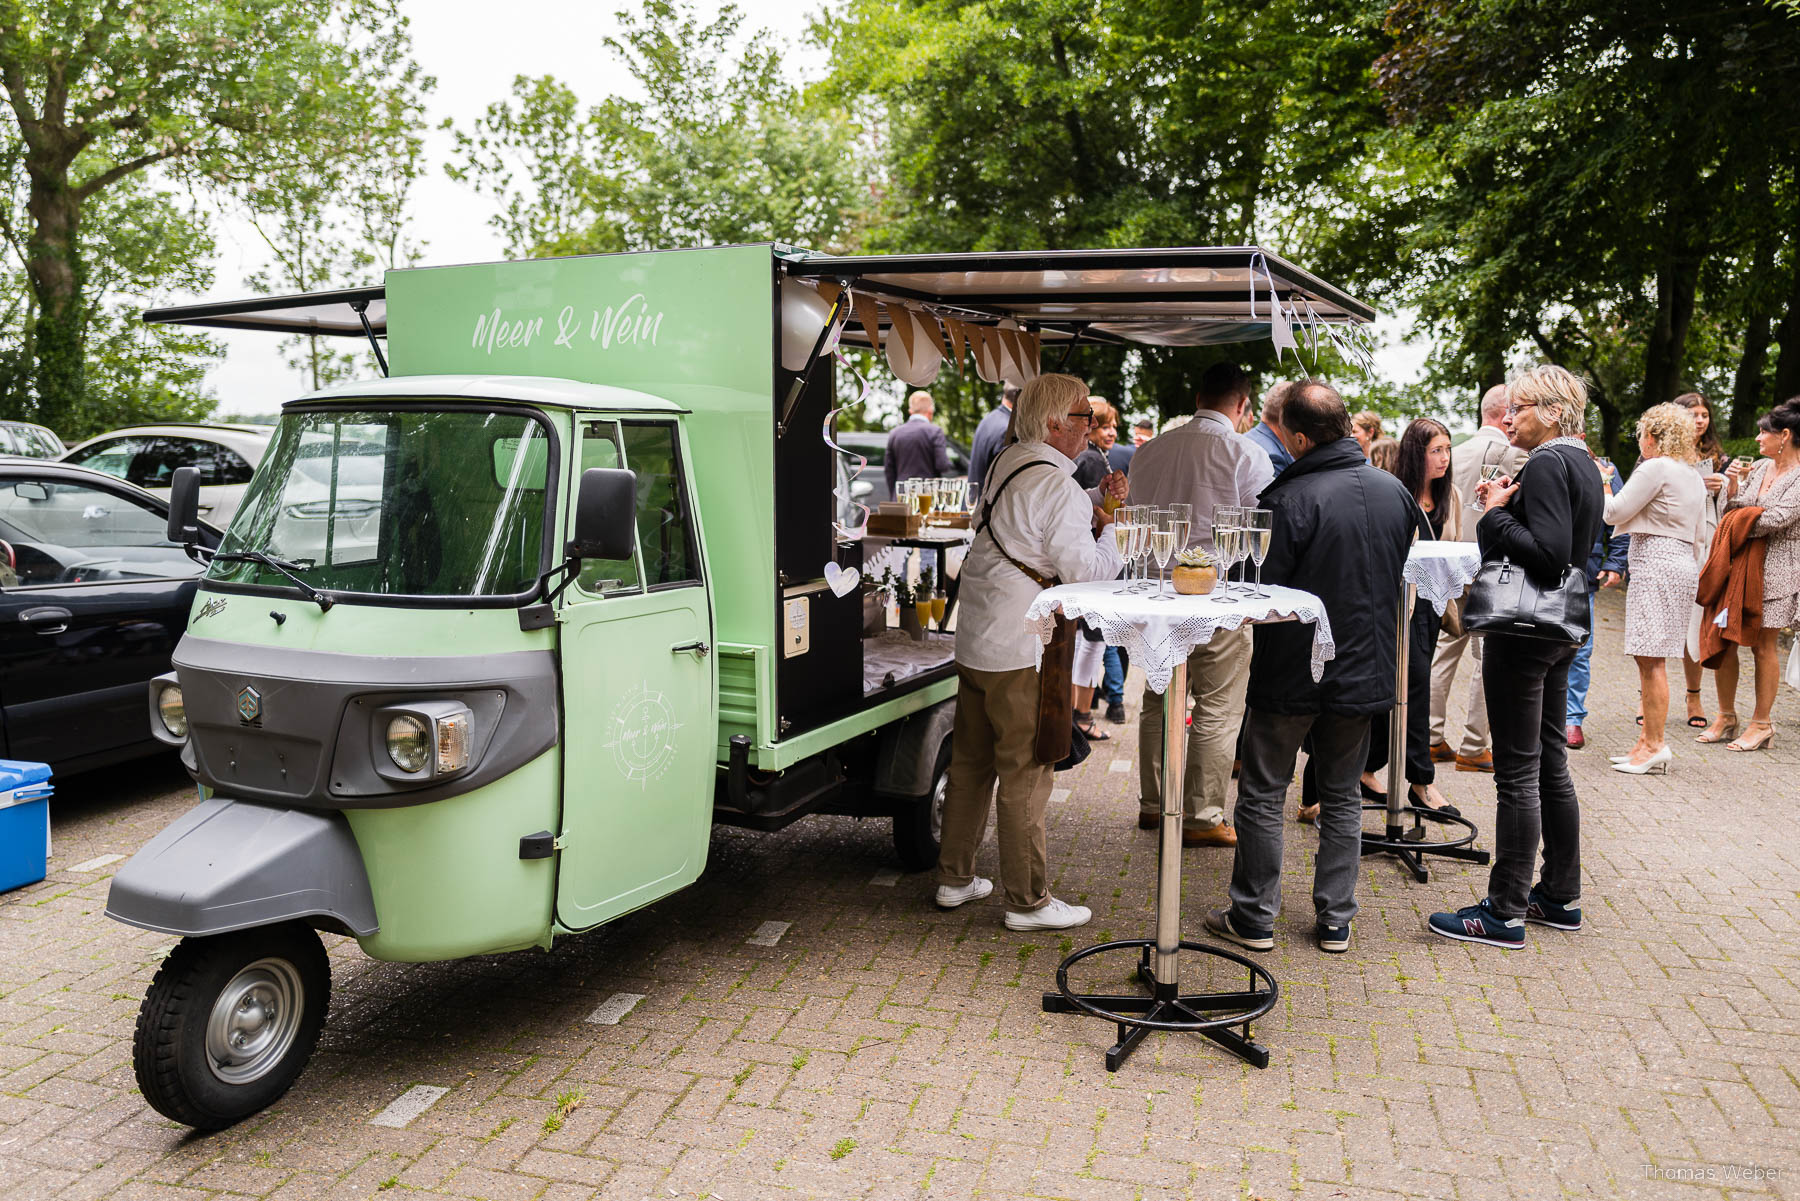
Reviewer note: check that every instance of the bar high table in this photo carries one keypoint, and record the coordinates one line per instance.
(1160, 633)
(1439, 571)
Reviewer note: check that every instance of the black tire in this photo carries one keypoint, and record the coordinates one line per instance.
(918, 822)
(281, 978)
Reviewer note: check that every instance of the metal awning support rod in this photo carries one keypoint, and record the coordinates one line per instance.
(361, 309)
(1069, 347)
(838, 305)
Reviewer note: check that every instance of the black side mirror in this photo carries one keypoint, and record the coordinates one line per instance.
(605, 514)
(184, 506)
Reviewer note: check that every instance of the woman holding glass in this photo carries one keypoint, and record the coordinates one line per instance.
(1662, 506)
(1772, 484)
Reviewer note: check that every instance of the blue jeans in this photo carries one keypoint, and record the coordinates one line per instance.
(1580, 672)
(1112, 684)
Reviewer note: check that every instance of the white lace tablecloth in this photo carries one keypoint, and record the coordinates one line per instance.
(1159, 634)
(1441, 570)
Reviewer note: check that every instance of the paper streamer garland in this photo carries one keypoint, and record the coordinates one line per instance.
(841, 492)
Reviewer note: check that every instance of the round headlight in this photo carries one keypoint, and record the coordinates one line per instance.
(408, 743)
(173, 713)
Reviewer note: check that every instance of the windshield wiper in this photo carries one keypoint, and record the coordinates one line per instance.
(264, 558)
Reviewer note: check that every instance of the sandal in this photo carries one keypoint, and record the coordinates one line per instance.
(1753, 743)
(1697, 721)
(1092, 732)
(1725, 730)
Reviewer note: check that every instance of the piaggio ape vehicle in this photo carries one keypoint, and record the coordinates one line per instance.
(492, 641)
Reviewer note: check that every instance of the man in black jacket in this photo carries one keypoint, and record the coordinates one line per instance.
(1545, 522)
(1341, 531)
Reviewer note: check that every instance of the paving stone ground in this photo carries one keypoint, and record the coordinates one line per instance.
(882, 1049)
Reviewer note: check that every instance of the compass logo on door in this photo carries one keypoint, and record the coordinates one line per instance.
(641, 735)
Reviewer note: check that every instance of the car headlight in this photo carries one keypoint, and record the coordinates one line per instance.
(409, 743)
(172, 711)
(425, 740)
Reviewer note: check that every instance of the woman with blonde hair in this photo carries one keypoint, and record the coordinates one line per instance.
(1663, 508)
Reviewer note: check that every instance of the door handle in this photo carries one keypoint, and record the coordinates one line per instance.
(696, 648)
(46, 620)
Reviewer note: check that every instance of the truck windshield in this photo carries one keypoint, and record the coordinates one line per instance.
(397, 502)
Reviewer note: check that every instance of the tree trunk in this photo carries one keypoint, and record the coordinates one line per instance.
(1747, 384)
(1787, 367)
(57, 277)
(1676, 282)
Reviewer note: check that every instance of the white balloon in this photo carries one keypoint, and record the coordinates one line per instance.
(803, 314)
(918, 366)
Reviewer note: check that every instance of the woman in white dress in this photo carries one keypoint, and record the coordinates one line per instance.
(1662, 507)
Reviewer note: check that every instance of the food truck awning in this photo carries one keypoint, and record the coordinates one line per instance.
(1167, 296)
(332, 312)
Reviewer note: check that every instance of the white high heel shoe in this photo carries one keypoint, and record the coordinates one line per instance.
(1656, 764)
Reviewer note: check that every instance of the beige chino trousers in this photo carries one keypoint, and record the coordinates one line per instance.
(1218, 677)
(993, 741)
(1444, 662)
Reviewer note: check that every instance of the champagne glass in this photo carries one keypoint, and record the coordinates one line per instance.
(923, 498)
(1184, 525)
(1489, 473)
(1607, 470)
(1742, 465)
(1259, 527)
(938, 601)
(1225, 523)
(1123, 533)
(1162, 545)
(1140, 544)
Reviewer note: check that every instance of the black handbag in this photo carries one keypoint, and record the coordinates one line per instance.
(1504, 599)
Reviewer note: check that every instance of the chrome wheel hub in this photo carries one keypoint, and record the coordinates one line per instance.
(254, 1021)
(937, 807)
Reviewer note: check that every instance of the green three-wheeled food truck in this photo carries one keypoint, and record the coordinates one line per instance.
(494, 640)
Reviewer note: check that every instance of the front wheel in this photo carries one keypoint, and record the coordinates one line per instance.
(229, 1023)
(919, 824)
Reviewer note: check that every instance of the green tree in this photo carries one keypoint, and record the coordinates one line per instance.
(1608, 177)
(1020, 124)
(720, 148)
(211, 93)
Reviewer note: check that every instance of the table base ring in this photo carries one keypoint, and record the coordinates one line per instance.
(1165, 1008)
(1411, 850)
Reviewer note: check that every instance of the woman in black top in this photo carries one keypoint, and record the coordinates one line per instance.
(1423, 465)
(1544, 523)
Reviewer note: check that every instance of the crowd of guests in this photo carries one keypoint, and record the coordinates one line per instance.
(1709, 547)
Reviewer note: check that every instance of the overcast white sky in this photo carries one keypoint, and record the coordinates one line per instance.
(475, 50)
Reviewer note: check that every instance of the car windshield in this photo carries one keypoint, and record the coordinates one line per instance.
(397, 502)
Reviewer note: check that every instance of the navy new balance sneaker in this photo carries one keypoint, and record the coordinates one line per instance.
(1545, 912)
(1479, 923)
(1333, 940)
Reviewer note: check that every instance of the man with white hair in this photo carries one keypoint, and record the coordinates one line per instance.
(1035, 528)
(1488, 447)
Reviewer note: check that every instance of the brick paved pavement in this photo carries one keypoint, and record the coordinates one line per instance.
(882, 1049)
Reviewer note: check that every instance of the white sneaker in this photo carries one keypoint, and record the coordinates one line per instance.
(1057, 915)
(974, 890)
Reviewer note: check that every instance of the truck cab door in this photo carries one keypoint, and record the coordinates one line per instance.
(639, 691)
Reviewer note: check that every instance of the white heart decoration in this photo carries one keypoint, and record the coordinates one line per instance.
(842, 581)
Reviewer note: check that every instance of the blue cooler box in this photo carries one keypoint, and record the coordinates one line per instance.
(24, 823)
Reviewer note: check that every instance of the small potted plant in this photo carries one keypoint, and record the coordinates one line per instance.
(898, 593)
(1196, 572)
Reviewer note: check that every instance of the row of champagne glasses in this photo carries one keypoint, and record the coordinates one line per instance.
(1240, 534)
(924, 495)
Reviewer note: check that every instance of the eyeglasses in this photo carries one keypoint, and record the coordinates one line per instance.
(1514, 410)
(1087, 416)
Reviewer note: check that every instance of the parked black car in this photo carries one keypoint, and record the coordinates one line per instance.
(93, 598)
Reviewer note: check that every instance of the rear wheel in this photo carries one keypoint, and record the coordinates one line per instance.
(919, 824)
(229, 1023)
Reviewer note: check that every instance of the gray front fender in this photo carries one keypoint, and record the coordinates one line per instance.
(230, 865)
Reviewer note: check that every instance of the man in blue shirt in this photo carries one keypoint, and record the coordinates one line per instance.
(1263, 433)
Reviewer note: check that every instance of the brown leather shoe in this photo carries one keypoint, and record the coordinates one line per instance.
(1221, 835)
(1577, 739)
(1149, 821)
(1481, 762)
(1308, 815)
(1441, 752)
